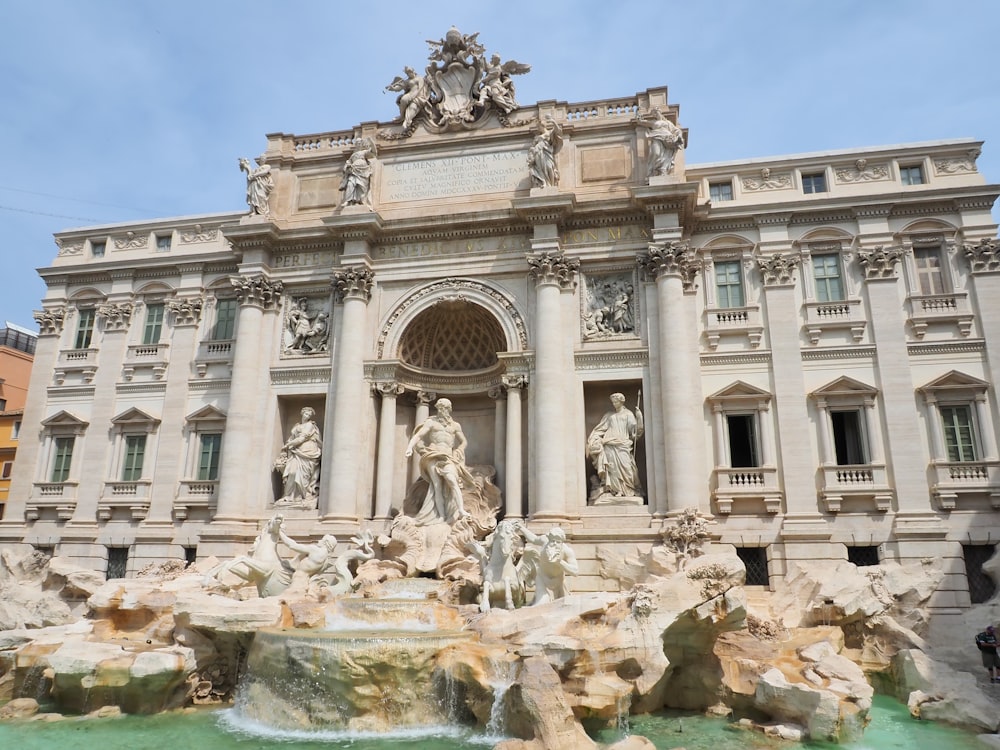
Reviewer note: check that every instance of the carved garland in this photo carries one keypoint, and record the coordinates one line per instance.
(454, 284)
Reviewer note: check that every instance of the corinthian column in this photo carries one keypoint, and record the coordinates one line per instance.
(553, 272)
(512, 474)
(243, 449)
(353, 287)
(385, 470)
(674, 267)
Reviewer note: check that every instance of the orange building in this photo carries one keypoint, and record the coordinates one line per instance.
(17, 353)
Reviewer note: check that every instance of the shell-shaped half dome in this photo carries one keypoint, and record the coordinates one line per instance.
(453, 335)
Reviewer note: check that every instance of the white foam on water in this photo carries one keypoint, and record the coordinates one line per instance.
(234, 722)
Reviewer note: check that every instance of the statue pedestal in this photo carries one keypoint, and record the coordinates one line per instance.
(607, 499)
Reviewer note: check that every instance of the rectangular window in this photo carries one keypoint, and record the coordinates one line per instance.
(97, 249)
(912, 175)
(85, 328)
(729, 283)
(208, 456)
(848, 438)
(959, 435)
(15, 431)
(62, 458)
(117, 562)
(163, 243)
(981, 586)
(3, 404)
(720, 191)
(755, 561)
(6, 469)
(135, 450)
(742, 440)
(930, 274)
(814, 183)
(225, 320)
(826, 274)
(862, 556)
(154, 324)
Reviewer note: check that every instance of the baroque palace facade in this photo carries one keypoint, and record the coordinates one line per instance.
(812, 341)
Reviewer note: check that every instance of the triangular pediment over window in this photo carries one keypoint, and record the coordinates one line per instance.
(956, 381)
(206, 414)
(740, 390)
(845, 386)
(134, 416)
(64, 419)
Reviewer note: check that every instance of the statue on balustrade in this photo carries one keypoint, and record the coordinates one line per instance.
(663, 139)
(357, 181)
(298, 463)
(259, 186)
(542, 154)
(611, 448)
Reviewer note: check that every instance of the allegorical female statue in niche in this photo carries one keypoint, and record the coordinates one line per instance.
(298, 463)
(611, 448)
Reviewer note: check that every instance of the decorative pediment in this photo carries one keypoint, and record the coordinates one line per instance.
(844, 386)
(63, 419)
(134, 417)
(955, 381)
(207, 413)
(740, 391)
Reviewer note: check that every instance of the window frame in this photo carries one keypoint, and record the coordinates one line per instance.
(716, 190)
(209, 472)
(838, 264)
(814, 182)
(739, 284)
(98, 248)
(209, 420)
(86, 324)
(952, 391)
(906, 173)
(62, 424)
(134, 458)
(63, 447)
(220, 302)
(152, 329)
(127, 464)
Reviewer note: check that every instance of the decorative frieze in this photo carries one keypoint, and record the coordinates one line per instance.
(767, 181)
(674, 258)
(116, 316)
(983, 257)
(198, 233)
(50, 322)
(955, 165)
(777, 269)
(69, 248)
(131, 241)
(186, 310)
(862, 171)
(553, 267)
(608, 307)
(879, 262)
(257, 290)
(354, 283)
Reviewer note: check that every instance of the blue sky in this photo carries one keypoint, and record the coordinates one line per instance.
(116, 110)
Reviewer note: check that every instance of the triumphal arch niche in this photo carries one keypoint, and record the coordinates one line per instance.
(483, 253)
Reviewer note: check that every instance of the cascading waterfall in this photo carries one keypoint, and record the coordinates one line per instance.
(503, 674)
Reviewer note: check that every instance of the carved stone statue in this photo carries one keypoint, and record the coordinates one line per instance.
(312, 558)
(664, 139)
(609, 308)
(298, 463)
(502, 586)
(356, 184)
(414, 97)
(497, 86)
(259, 186)
(440, 443)
(542, 154)
(263, 567)
(611, 447)
(547, 560)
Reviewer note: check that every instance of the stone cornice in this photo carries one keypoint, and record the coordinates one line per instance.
(545, 209)
(355, 225)
(679, 197)
(296, 375)
(761, 356)
(938, 348)
(255, 234)
(839, 352)
(612, 358)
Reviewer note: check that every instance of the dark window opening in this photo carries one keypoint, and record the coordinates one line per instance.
(742, 440)
(117, 562)
(862, 556)
(847, 438)
(190, 555)
(981, 586)
(755, 561)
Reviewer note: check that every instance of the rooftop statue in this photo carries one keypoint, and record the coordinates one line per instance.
(357, 181)
(459, 89)
(259, 186)
(664, 139)
(542, 154)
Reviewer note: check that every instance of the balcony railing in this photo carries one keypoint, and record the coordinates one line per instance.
(869, 481)
(59, 497)
(746, 483)
(925, 309)
(956, 478)
(733, 321)
(838, 315)
(195, 494)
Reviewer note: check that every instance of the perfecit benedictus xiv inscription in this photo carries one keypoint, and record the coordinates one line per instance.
(470, 174)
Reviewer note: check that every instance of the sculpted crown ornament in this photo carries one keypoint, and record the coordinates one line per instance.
(50, 322)
(880, 263)
(984, 257)
(459, 88)
(186, 310)
(777, 269)
(671, 258)
(116, 316)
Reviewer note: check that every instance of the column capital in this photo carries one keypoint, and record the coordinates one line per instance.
(880, 262)
(257, 290)
(354, 282)
(388, 389)
(50, 322)
(983, 257)
(426, 398)
(514, 382)
(553, 267)
(186, 310)
(117, 315)
(777, 269)
(673, 258)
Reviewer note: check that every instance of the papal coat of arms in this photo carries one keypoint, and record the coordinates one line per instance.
(458, 89)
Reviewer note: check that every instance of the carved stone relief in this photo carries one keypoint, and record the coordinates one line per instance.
(609, 306)
(306, 326)
(862, 171)
(767, 181)
(131, 241)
